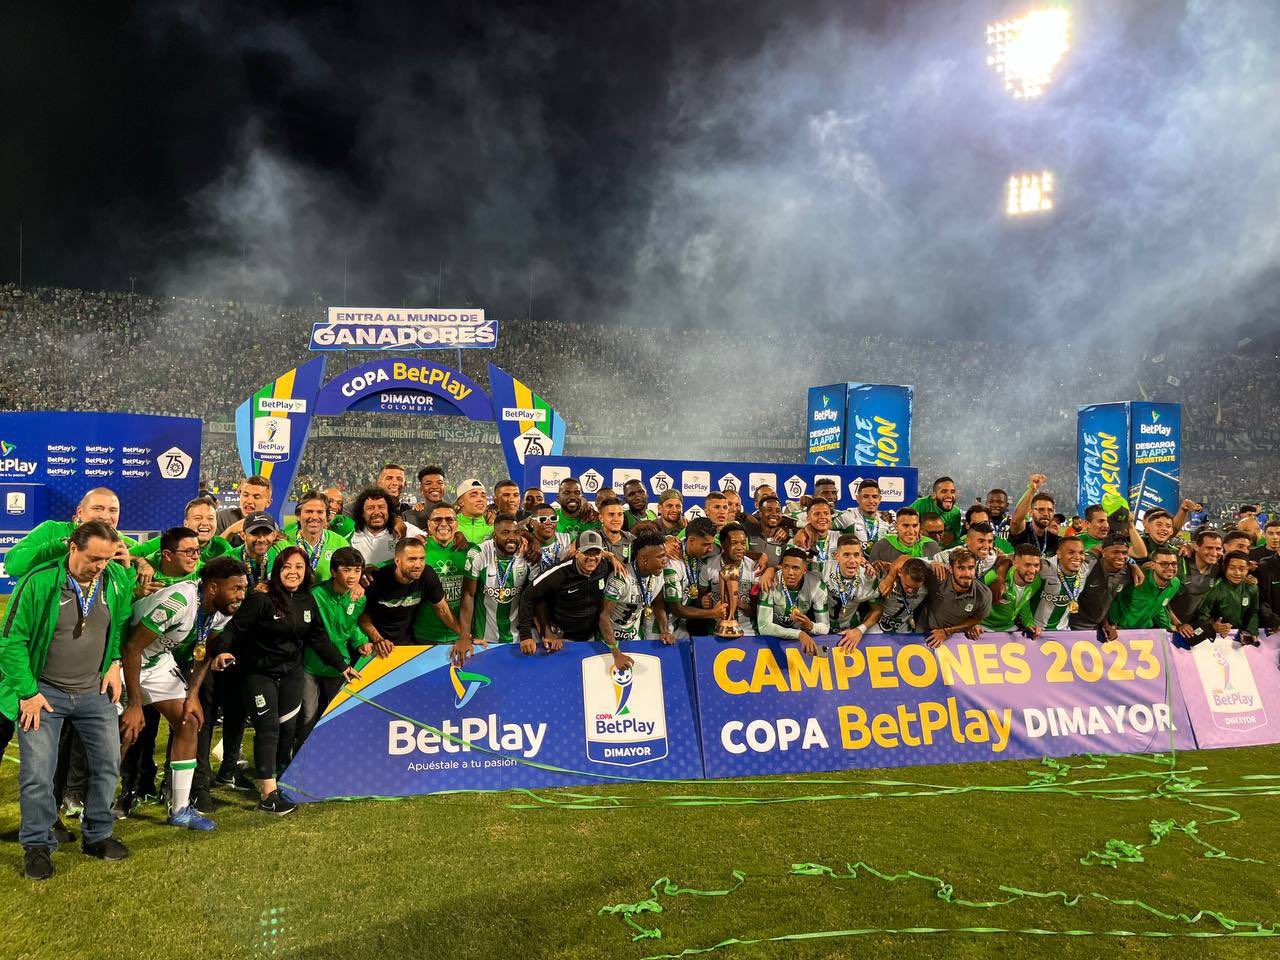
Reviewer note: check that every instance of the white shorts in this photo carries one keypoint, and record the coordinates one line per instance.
(163, 681)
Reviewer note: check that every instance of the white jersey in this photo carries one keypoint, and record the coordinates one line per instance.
(823, 553)
(379, 548)
(868, 529)
(554, 551)
(845, 595)
(499, 581)
(985, 564)
(709, 579)
(173, 615)
(632, 597)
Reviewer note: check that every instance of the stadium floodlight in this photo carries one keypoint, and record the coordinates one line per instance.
(1029, 193)
(1025, 51)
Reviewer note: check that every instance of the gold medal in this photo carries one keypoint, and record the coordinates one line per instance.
(197, 652)
(795, 612)
(1073, 607)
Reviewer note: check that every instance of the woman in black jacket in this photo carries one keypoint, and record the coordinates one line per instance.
(266, 637)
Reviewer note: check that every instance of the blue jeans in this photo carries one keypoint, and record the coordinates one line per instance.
(95, 719)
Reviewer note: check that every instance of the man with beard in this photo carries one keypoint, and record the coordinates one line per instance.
(545, 547)
(255, 496)
(564, 602)
(904, 540)
(395, 595)
(1146, 605)
(1014, 583)
(979, 540)
(431, 488)
(1108, 577)
(633, 606)
(1038, 507)
(375, 535)
(771, 540)
(313, 537)
(957, 603)
(795, 607)
(575, 515)
(533, 499)
(1197, 576)
(495, 577)
(681, 577)
(612, 518)
(942, 502)
(864, 519)
(850, 582)
(998, 512)
(181, 615)
(670, 514)
(258, 549)
(446, 554)
(339, 522)
(637, 498)
(817, 537)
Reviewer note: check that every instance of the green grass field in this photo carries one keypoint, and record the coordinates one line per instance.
(500, 875)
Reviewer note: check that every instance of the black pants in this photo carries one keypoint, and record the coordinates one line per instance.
(138, 769)
(220, 692)
(316, 694)
(273, 704)
(7, 728)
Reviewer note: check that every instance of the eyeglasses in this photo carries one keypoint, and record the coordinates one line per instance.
(442, 521)
(189, 552)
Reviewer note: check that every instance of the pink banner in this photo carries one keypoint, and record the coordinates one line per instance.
(1232, 691)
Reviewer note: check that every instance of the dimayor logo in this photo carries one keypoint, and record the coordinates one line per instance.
(465, 685)
(624, 710)
(1227, 680)
(14, 466)
(271, 437)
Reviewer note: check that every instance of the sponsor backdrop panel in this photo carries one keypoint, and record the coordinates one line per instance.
(766, 708)
(1155, 456)
(696, 478)
(878, 425)
(570, 710)
(1232, 691)
(826, 437)
(48, 460)
(527, 424)
(1102, 452)
(403, 328)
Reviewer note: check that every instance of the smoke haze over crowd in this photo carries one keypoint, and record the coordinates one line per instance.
(689, 165)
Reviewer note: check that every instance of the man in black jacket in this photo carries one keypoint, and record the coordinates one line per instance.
(564, 602)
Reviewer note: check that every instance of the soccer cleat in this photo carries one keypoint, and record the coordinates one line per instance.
(275, 802)
(108, 848)
(189, 818)
(124, 804)
(36, 863)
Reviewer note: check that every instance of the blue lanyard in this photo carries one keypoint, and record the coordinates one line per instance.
(204, 624)
(645, 596)
(313, 558)
(84, 605)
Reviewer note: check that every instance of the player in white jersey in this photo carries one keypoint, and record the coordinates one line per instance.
(818, 538)
(681, 576)
(635, 594)
(544, 547)
(495, 575)
(979, 540)
(184, 614)
(1065, 577)
(733, 553)
(795, 607)
(850, 582)
(864, 519)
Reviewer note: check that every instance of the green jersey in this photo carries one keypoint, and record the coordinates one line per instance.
(450, 566)
(149, 550)
(499, 581)
(631, 519)
(319, 557)
(48, 541)
(1012, 610)
(573, 526)
(475, 529)
(343, 525)
(1137, 608)
(1090, 542)
(951, 519)
(339, 614)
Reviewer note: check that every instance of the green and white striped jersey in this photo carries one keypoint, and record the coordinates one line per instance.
(709, 579)
(845, 595)
(172, 614)
(499, 581)
(1057, 593)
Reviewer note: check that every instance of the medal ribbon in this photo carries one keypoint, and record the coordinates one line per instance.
(84, 605)
(313, 558)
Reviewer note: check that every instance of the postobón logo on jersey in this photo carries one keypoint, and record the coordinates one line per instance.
(271, 439)
(1229, 687)
(626, 716)
(11, 466)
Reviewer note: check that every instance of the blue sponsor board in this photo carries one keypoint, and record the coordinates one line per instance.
(1155, 454)
(504, 720)
(826, 424)
(878, 425)
(694, 479)
(404, 328)
(395, 375)
(1102, 452)
(406, 401)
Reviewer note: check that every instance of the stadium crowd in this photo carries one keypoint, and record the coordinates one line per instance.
(98, 351)
(228, 618)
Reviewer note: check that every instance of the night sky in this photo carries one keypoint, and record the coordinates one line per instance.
(661, 163)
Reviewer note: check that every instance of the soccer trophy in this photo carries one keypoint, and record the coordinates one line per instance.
(728, 627)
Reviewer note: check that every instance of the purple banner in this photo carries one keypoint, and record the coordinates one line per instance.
(1231, 691)
(764, 707)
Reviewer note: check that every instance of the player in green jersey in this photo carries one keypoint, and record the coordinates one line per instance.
(201, 517)
(496, 573)
(446, 553)
(637, 499)
(943, 502)
(1014, 582)
(317, 543)
(1146, 605)
(575, 515)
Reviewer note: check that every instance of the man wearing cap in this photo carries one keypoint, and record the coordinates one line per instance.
(259, 548)
(670, 513)
(564, 603)
(472, 502)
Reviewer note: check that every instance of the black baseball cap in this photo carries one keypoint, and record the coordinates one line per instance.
(260, 521)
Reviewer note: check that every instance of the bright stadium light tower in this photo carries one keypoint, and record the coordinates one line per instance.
(1029, 193)
(1025, 51)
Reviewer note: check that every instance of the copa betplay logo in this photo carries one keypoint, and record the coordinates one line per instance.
(624, 710)
(1229, 687)
(14, 466)
(271, 436)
